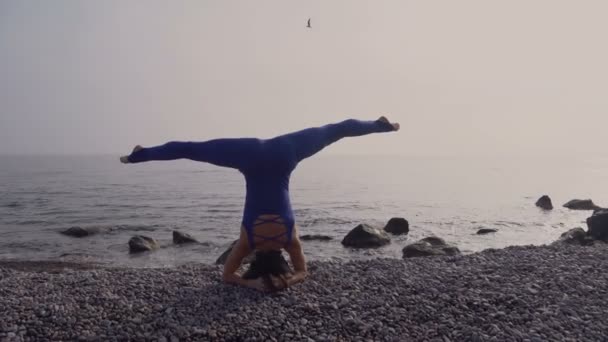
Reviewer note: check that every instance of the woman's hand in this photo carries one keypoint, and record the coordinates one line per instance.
(280, 282)
(257, 284)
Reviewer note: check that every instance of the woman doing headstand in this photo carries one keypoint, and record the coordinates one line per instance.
(268, 223)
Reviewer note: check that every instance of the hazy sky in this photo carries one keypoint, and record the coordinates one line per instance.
(462, 77)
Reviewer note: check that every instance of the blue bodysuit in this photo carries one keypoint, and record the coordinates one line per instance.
(265, 163)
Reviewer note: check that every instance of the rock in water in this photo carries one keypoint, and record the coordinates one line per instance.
(81, 232)
(598, 225)
(544, 202)
(140, 243)
(585, 204)
(576, 236)
(180, 238)
(397, 226)
(318, 237)
(429, 246)
(434, 240)
(486, 231)
(222, 258)
(365, 236)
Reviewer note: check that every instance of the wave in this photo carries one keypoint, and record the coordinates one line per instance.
(355, 206)
(125, 206)
(508, 223)
(116, 229)
(503, 223)
(234, 211)
(75, 254)
(307, 222)
(440, 223)
(36, 246)
(12, 205)
(304, 212)
(134, 228)
(224, 205)
(30, 222)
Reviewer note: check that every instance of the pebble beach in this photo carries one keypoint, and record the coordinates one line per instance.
(524, 293)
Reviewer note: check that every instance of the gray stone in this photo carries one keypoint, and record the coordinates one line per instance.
(430, 246)
(434, 241)
(544, 203)
(576, 236)
(181, 238)
(577, 204)
(140, 243)
(397, 226)
(598, 225)
(81, 231)
(486, 231)
(366, 236)
(318, 237)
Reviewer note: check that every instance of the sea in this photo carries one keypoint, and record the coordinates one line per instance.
(449, 197)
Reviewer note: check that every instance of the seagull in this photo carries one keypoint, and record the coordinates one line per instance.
(308, 23)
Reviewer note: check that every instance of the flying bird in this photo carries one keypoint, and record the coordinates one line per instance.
(308, 23)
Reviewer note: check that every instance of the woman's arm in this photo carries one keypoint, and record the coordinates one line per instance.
(296, 254)
(233, 262)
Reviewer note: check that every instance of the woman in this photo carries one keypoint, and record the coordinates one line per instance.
(268, 223)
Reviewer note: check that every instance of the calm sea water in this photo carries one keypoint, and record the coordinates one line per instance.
(448, 197)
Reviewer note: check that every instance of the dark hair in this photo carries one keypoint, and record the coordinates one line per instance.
(267, 263)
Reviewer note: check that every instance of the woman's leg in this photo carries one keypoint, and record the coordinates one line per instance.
(309, 141)
(234, 153)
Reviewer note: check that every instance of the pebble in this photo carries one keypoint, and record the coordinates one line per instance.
(343, 302)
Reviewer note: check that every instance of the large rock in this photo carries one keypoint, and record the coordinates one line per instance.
(366, 236)
(434, 240)
(317, 237)
(397, 226)
(577, 204)
(598, 225)
(575, 236)
(430, 246)
(181, 238)
(222, 258)
(81, 231)
(140, 243)
(544, 202)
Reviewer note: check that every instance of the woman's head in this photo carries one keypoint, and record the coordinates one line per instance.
(267, 263)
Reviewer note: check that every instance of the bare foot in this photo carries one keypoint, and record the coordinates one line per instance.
(125, 159)
(394, 124)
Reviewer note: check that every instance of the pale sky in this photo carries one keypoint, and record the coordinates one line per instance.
(462, 77)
